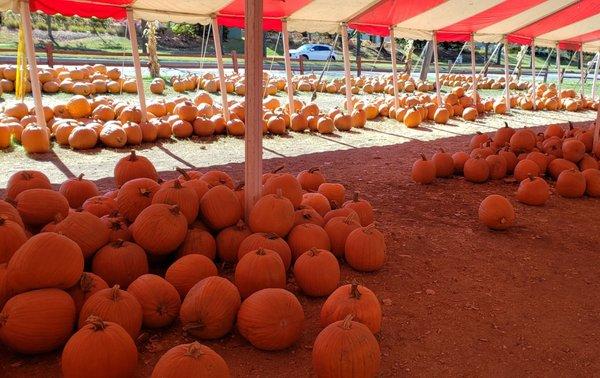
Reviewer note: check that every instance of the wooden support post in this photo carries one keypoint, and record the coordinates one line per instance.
(347, 74)
(506, 75)
(301, 64)
(36, 90)
(533, 81)
(358, 65)
(219, 55)
(253, 51)
(473, 71)
(234, 61)
(135, 55)
(288, 66)
(49, 54)
(394, 69)
(558, 72)
(436, 65)
(582, 74)
(595, 79)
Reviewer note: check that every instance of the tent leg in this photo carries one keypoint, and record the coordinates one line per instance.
(533, 83)
(253, 50)
(33, 70)
(346, 52)
(473, 71)
(394, 69)
(436, 65)
(288, 66)
(595, 80)
(582, 79)
(506, 75)
(558, 70)
(219, 55)
(136, 64)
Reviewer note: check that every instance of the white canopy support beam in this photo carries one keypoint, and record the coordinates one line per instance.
(582, 73)
(135, 55)
(473, 71)
(558, 70)
(506, 75)
(253, 50)
(288, 66)
(394, 69)
(436, 65)
(219, 55)
(36, 91)
(346, 53)
(595, 79)
(533, 83)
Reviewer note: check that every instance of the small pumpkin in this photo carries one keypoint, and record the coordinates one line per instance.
(220, 207)
(317, 272)
(533, 191)
(120, 263)
(132, 167)
(198, 241)
(573, 150)
(134, 196)
(571, 184)
(476, 169)
(266, 241)
(365, 249)
(188, 270)
(526, 168)
(496, 212)
(287, 184)
(306, 236)
(229, 240)
(352, 299)
(497, 166)
(316, 201)
(77, 190)
(362, 207)
(35, 139)
(423, 171)
(159, 299)
(557, 166)
(459, 159)
(194, 360)
(310, 179)
(99, 206)
(592, 182)
(334, 192)
(338, 229)
(184, 197)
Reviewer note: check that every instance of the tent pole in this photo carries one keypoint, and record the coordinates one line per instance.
(219, 55)
(33, 70)
(394, 69)
(506, 75)
(346, 52)
(558, 70)
(136, 64)
(582, 79)
(533, 86)
(288, 66)
(253, 50)
(595, 80)
(473, 73)
(436, 65)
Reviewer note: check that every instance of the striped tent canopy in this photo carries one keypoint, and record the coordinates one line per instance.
(572, 24)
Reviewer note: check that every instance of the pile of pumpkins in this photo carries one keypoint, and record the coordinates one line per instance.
(466, 81)
(361, 85)
(234, 83)
(75, 268)
(85, 80)
(564, 156)
(548, 98)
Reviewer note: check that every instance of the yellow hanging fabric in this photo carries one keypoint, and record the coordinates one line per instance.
(21, 79)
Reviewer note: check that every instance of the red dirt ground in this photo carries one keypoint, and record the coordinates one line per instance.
(457, 299)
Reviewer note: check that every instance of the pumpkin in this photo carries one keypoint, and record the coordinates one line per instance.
(132, 167)
(182, 129)
(113, 135)
(114, 351)
(325, 125)
(86, 230)
(533, 191)
(184, 197)
(229, 240)
(271, 319)
(215, 178)
(41, 206)
(573, 150)
(540, 159)
(310, 179)
(198, 241)
(8, 212)
(317, 272)
(117, 228)
(557, 166)
(478, 140)
(23, 180)
(423, 171)
(571, 184)
(12, 237)
(496, 212)
(476, 169)
(441, 115)
(193, 360)
(338, 229)
(342, 122)
(114, 305)
(592, 182)
(203, 127)
(412, 118)
(5, 291)
(588, 162)
(159, 228)
(306, 214)
(79, 107)
(289, 186)
(266, 241)
(459, 159)
(99, 206)
(83, 138)
(523, 140)
(120, 263)
(188, 270)
(365, 249)
(444, 165)
(220, 207)
(352, 299)
(316, 201)
(78, 190)
(186, 111)
(334, 192)
(306, 236)
(210, 308)
(134, 196)
(346, 348)
(88, 284)
(497, 166)
(159, 299)
(343, 212)
(46, 260)
(526, 168)
(502, 136)
(38, 321)
(511, 159)
(259, 269)
(272, 213)
(35, 139)
(362, 207)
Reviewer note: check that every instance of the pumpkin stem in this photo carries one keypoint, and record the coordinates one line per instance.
(240, 225)
(314, 169)
(313, 251)
(174, 209)
(194, 350)
(354, 293)
(177, 184)
(531, 177)
(279, 193)
(278, 168)
(115, 292)
(368, 229)
(334, 205)
(96, 322)
(261, 252)
(240, 186)
(145, 192)
(118, 243)
(3, 319)
(347, 323)
(355, 197)
(27, 175)
(423, 157)
(133, 156)
(505, 124)
(86, 282)
(183, 173)
(80, 177)
(272, 236)
(2, 221)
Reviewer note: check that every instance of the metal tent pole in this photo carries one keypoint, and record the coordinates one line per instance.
(394, 69)
(582, 76)
(595, 80)
(136, 63)
(346, 53)
(473, 71)
(533, 86)
(36, 91)
(558, 70)
(219, 55)
(436, 65)
(506, 75)
(288, 66)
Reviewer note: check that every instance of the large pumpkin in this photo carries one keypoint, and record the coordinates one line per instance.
(352, 299)
(258, 270)
(188, 270)
(365, 249)
(120, 263)
(496, 212)
(133, 166)
(289, 186)
(159, 229)
(317, 272)
(35, 139)
(77, 190)
(12, 237)
(191, 360)
(220, 207)
(38, 207)
(533, 191)
(571, 184)
(23, 180)
(306, 236)
(273, 213)
(134, 196)
(159, 300)
(85, 229)
(185, 198)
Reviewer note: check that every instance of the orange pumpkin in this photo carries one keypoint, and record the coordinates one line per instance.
(159, 229)
(289, 186)
(571, 184)
(88, 284)
(352, 299)
(134, 196)
(316, 201)
(423, 171)
(229, 240)
(184, 197)
(592, 182)
(334, 192)
(188, 270)
(533, 191)
(317, 272)
(120, 263)
(198, 241)
(194, 360)
(338, 229)
(526, 168)
(306, 236)
(23, 180)
(220, 207)
(266, 241)
(12, 237)
(365, 249)
(476, 170)
(41, 206)
(133, 166)
(496, 212)
(35, 139)
(85, 229)
(310, 179)
(259, 269)
(272, 213)
(159, 300)
(99, 206)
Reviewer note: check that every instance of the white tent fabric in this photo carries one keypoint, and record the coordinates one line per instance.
(325, 16)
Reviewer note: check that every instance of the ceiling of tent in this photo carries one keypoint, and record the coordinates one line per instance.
(573, 24)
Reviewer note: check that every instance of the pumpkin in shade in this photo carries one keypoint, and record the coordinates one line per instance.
(502, 136)
(38, 207)
(317, 201)
(198, 241)
(459, 159)
(341, 212)
(216, 178)
(540, 159)
(188, 270)
(352, 299)
(133, 166)
(592, 182)
(23, 180)
(88, 284)
(272, 213)
(365, 249)
(100, 206)
(229, 240)
(523, 140)
(306, 214)
(159, 299)
(185, 198)
(444, 164)
(588, 162)
(571, 184)
(134, 196)
(533, 191)
(497, 166)
(511, 159)
(271, 319)
(199, 186)
(526, 168)
(120, 263)
(338, 229)
(5, 292)
(287, 184)
(117, 228)
(476, 169)
(362, 207)
(220, 207)
(12, 237)
(210, 308)
(496, 212)
(334, 192)
(191, 360)
(38, 321)
(159, 229)
(114, 305)
(114, 353)
(306, 236)
(478, 140)
(9, 212)
(557, 166)
(346, 348)
(259, 269)
(573, 150)
(266, 241)
(45, 260)
(86, 230)
(423, 171)
(317, 272)
(311, 179)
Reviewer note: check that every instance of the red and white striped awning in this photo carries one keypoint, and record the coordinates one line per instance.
(572, 24)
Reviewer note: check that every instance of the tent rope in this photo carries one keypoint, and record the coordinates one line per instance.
(456, 60)
(325, 68)
(377, 58)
